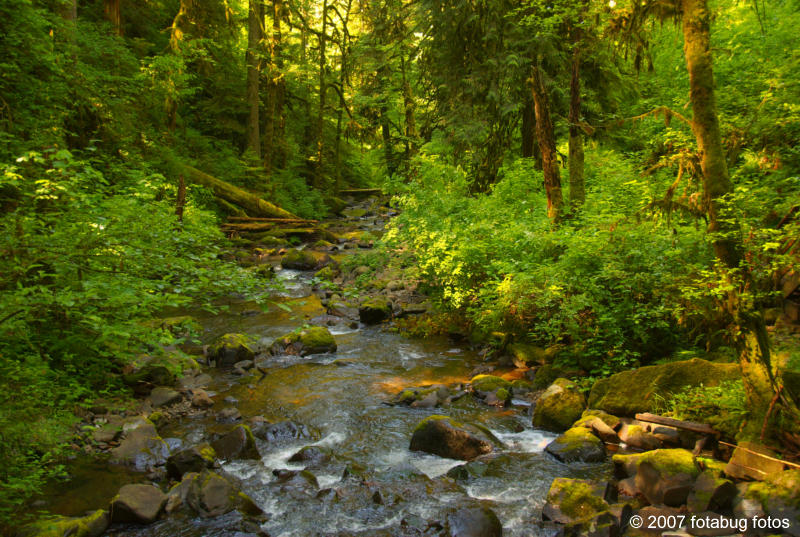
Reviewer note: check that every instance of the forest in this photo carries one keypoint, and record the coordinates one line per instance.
(418, 267)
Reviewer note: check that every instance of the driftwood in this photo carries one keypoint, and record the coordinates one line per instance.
(700, 428)
(237, 196)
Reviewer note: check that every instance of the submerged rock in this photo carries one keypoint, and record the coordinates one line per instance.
(629, 392)
(478, 521)
(193, 459)
(311, 456)
(559, 406)
(231, 348)
(137, 503)
(313, 340)
(577, 445)
(440, 435)
(209, 494)
(284, 431)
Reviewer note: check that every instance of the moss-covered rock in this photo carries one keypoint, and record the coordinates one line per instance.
(209, 494)
(629, 392)
(571, 500)
(193, 459)
(442, 436)
(577, 445)
(92, 525)
(667, 461)
(634, 435)
(313, 340)
(301, 260)
(559, 406)
(327, 273)
(238, 443)
(546, 375)
(375, 310)
(137, 503)
(711, 492)
(489, 383)
(589, 414)
(141, 447)
(663, 476)
(231, 348)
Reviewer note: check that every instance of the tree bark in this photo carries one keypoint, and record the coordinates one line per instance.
(547, 145)
(273, 138)
(111, 11)
(254, 205)
(255, 35)
(577, 189)
(69, 10)
(320, 134)
(751, 339)
(408, 107)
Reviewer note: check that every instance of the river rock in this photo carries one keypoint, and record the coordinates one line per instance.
(342, 309)
(201, 399)
(92, 525)
(305, 260)
(440, 435)
(494, 390)
(559, 406)
(711, 493)
(638, 390)
(193, 459)
(477, 521)
(375, 310)
(141, 447)
(209, 494)
(571, 500)
(236, 444)
(634, 435)
(137, 503)
(311, 456)
(423, 396)
(663, 476)
(147, 376)
(577, 445)
(313, 340)
(231, 348)
(229, 414)
(163, 396)
(598, 427)
(284, 431)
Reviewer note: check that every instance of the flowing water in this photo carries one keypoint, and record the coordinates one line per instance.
(373, 484)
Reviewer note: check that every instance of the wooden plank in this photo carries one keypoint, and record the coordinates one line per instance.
(700, 428)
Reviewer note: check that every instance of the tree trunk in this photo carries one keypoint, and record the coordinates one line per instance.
(752, 339)
(320, 132)
(254, 205)
(273, 142)
(111, 11)
(255, 20)
(69, 10)
(547, 146)
(408, 107)
(577, 189)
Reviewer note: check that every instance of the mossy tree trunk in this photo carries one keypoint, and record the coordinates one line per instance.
(751, 337)
(547, 145)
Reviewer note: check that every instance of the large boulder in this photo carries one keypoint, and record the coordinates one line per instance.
(231, 348)
(375, 310)
(577, 445)
(137, 503)
(236, 444)
(477, 521)
(572, 500)
(209, 494)
(91, 525)
(141, 447)
(493, 390)
(559, 406)
(637, 390)
(747, 462)
(662, 476)
(313, 340)
(304, 260)
(711, 492)
(440, 435)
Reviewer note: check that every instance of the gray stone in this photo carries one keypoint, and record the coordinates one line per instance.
(137, 503)
(162, 396)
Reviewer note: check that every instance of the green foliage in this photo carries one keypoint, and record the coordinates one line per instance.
(724, 407)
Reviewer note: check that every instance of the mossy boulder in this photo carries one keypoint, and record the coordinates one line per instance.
(194, 459)
(546, 375)
(577, 445)
(375, 310)
(229, 349)
(489, 383)
(238, 443)
(663, 476)
(612, 421)
(303, 260)
(442, 436)
(629, 392)
(572, 500)
(423, 397)
(711, 492)
(92, 525)
(313, 340)
(209, 494)
(559, 406)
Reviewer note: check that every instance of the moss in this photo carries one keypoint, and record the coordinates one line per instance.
(635, 391)
(576, 437)
(91, 524)
(489, 383)
(208, 453)
(559, 406)
(665, 461)
(784, 486)
(377, 303)
(232, 341)
(577, 499)
(503, 394)
(520, 385)
(436, 417)
(157, 417)
(545, 376)
(327, 273)
(526, 354)
(712, 465)
(317, 337)
(299, 259)
(605, 417)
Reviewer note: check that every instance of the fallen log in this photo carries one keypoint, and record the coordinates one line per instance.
(233, 194)
(361, 192)
(700, 428)
(276, 220)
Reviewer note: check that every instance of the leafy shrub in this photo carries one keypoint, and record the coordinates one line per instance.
(724, 407)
